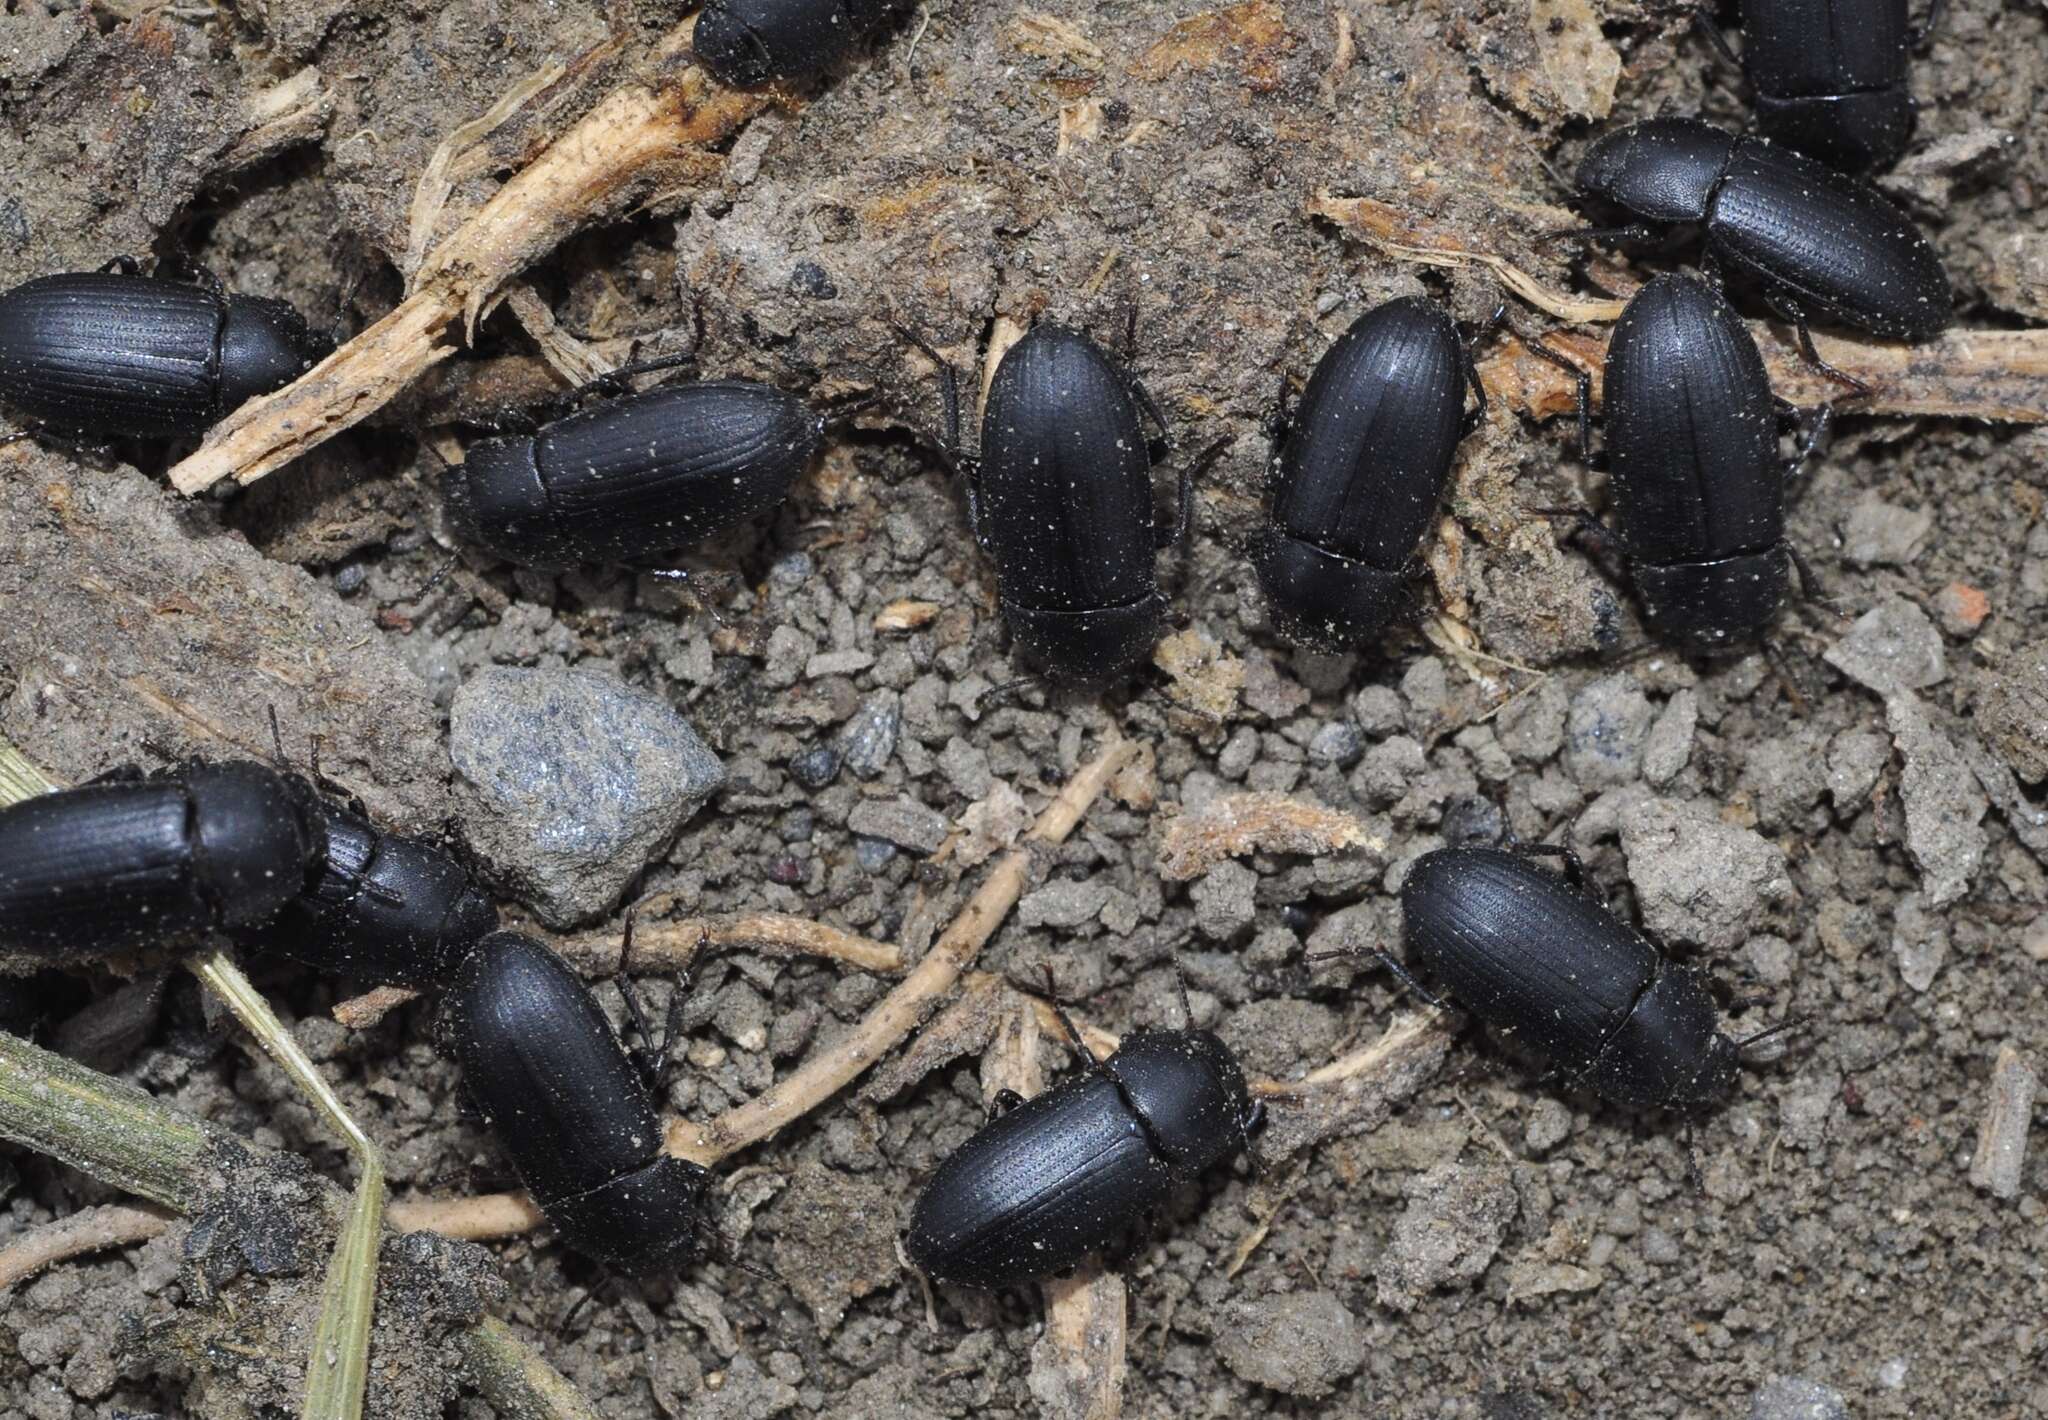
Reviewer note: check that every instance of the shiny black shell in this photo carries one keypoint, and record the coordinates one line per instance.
(1540, 960)
(638, 475)
(744, 43)
(380, 908)
(568, 1107)
(1077, 1168)
(1065, 506)
(1359, 477)
(1830, 77)
(104, 354)
(152, 862)
(1692, 445)
(1824, 240)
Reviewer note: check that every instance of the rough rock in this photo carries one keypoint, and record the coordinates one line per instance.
(571, 782)
(1919, 942)
(1944, 803)
(1855, 759)
(2012, 710)
(870, 736)
(1298, 1343)
(1891, 647)
(1795, 1398)
(1223, 900)
(1881, 534)
(1456, 1216)
(902, 821)
(1064, 902)
(1699, 880)
(1785, 777)
(1668, 747)
(1605, 732)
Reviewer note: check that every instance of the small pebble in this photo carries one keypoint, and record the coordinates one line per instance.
(1796, 1398)
(1337, 743)
(2001, 1159)
(1961, 609)
(815, 768)
(873, 854)
(869, 738)
(349, 580)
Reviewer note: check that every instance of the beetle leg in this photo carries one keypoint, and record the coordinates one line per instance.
(1581, 378)
(1074, 1042)
(1633, 232)
(614, 381)
(1148, 404)
(1924, 31)
(1393, 965)
(1711, 32)
(1803, 334)
(1184, 516)
(1003, 1103)
(1477, 414)
(949, 394)
(122, 266)
(1574, 866)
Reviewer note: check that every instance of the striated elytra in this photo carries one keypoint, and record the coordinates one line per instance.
(1697, 480)
(1358, 477)
(1062, 499)
(124, 864)
(107, 354)
(1079, 1167)
(1830, 77)
(570, 1108)
(1539, 959)
(635, 476)
(1819, 240)
(745, 43)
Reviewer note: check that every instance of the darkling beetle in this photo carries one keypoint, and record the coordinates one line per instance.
(113, 353)
(571, 1108)
(1078, 1168)
(1830, 75)
(1060, 495)
(1537, 957)
(1366, 453)
(745, 43)
(639, 475)
(1816, 239)
(127, 863)
(1695, 472)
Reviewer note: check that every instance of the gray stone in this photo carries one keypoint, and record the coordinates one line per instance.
(1456, 1216)
(1337, 743)
(1238, 753)
(1919, 942)
(1382, 777)
(1893, 646)
(1699, 881)
(2034, 941)
(1855, 759)
(1881, 534)
(2000, 1163)
(1550, 1124)
(1298, 1343)
(815, 768)
(1224, 900)
(1944, 803)
(1795, 1398)
(850, 662)
(748, 1393)
(869, 738)
(2012, 711)
(571, 782)
(1425, 686)
(966, 768)
(1063, 902)
(1605, 732)
(1771, 958)
(1668, 747)
(902, 821)
(1377, 709)
(873, 854)
(1281, 1037)
(787, 653)
(1785, 777)
(1532, 727)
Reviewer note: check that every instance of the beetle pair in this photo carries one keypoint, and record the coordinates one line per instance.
(120, 865)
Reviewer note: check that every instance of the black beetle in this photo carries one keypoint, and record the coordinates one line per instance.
(570, 1108)
(112, 353)
(642, 474)
(379, 907)
(1816, 238)
(1536, 957)
(1060, 495)
(1362, 469)
(1079, 1167)
(744, 43)
(1830, 76)
(1696, 476)
(119, 865)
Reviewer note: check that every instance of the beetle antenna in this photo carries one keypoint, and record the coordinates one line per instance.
(1074, 1042)
(1694, 1174)
(1781, 1028)
(276, 735)
(1180, 981)
(1386, 959)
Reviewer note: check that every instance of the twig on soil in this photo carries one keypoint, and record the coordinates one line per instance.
(87, 1230)
(123, 1137)
(1999, 375)
(1238, 824)
(489, 1215)
(898, 1013)
(639, 139)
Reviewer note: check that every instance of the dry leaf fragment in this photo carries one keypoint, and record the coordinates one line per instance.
(1238, 824)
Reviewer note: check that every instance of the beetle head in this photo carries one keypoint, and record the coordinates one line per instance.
(1663, 169)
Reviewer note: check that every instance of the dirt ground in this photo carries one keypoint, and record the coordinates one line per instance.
(1833, 832)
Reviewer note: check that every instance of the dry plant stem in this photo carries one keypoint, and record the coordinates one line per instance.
(1082, 1352)
(674, 945)
(898, 1013)
(490, 1215)
(1239, 824)
(87, 1230)
(636, 140)
(1398, 1040)
(124, 1137)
